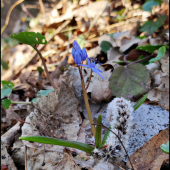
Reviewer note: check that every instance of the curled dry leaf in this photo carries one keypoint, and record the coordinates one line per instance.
(67, 162)
(150, 156)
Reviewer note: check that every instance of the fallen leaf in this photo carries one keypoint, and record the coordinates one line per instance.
(150, 156)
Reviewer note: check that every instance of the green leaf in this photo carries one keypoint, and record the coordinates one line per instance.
(149, 48)
(61, 142)
(165, 147)
(141, 37)
(105, 46)
(30, 38)
(81, 40)
(6, 103)
(150, 26)
(6, 90)
(106, 135)
(161, 53)
(40, 69)
(4, 65)
(98, 136)
(129, 81)
(143, 62)
(8, 83)
(44, 92)
(149, 5)
(140, 102)
(34, 100)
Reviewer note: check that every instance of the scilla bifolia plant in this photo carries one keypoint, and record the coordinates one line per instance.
(111, 145)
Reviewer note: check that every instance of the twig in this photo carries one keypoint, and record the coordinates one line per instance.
(137, 61)
(117, 165)
(9, 13)
(42, 6)
(87, 103)
(19, 102)
(22, 121)
(45, 67)
(26, 11)
(25, 157)
(118, 139)
(89, 79)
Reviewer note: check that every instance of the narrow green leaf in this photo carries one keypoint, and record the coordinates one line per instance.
(7, 83)
(106, 135)
(53, 141)
(6, 103)
(161, 53)
(6, 90)
(105, 46)
(98, 136)
(149, 5)
(81, 40)
(149, 48)
(165, 147)
(140, 102)
(30, 38)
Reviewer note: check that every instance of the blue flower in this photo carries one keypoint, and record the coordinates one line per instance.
(91, 64)
(78, 54)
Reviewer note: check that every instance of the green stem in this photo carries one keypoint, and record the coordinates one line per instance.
(18, 102)
(87, 103)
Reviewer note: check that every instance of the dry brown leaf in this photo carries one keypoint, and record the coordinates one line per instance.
(67, 162)
(150, 156)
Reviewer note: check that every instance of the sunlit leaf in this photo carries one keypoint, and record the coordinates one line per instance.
(81, 41)
(161, 53)
(149, 5)
(149, 48)
(30, 38)
(98, 136)
(165, 147)
(140, 102)
(61, 142)
(7, 83)
(6, 103)
(40, 69)
(105, 46)
(129, 81)
(34, 100)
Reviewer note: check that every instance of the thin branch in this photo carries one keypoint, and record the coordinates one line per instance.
(87, 103)
(137, 61)
(19, 102)
(26, 11)
(5, 97)
(118, 139)
(89, 80)
(9, 13)
(22, 121)
(45, 67)
(42, 6)
(25, 157)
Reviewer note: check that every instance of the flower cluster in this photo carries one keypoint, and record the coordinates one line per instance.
(80, 55)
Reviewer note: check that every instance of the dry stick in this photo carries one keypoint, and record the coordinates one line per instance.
(25, 157)
(87, 103)
(9, 13)
(22, 121)
(42, 6)
(26, 11)
(137, 61)
(89, 80)
(45, 67)
(118, 139)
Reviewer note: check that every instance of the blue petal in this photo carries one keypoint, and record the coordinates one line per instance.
(84, 65)
(84, 56)
(88, 61)
(97, 73)
(76, 46)
(77, 57)
(98, 70)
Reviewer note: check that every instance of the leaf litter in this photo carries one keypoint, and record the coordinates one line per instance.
(51, 116)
